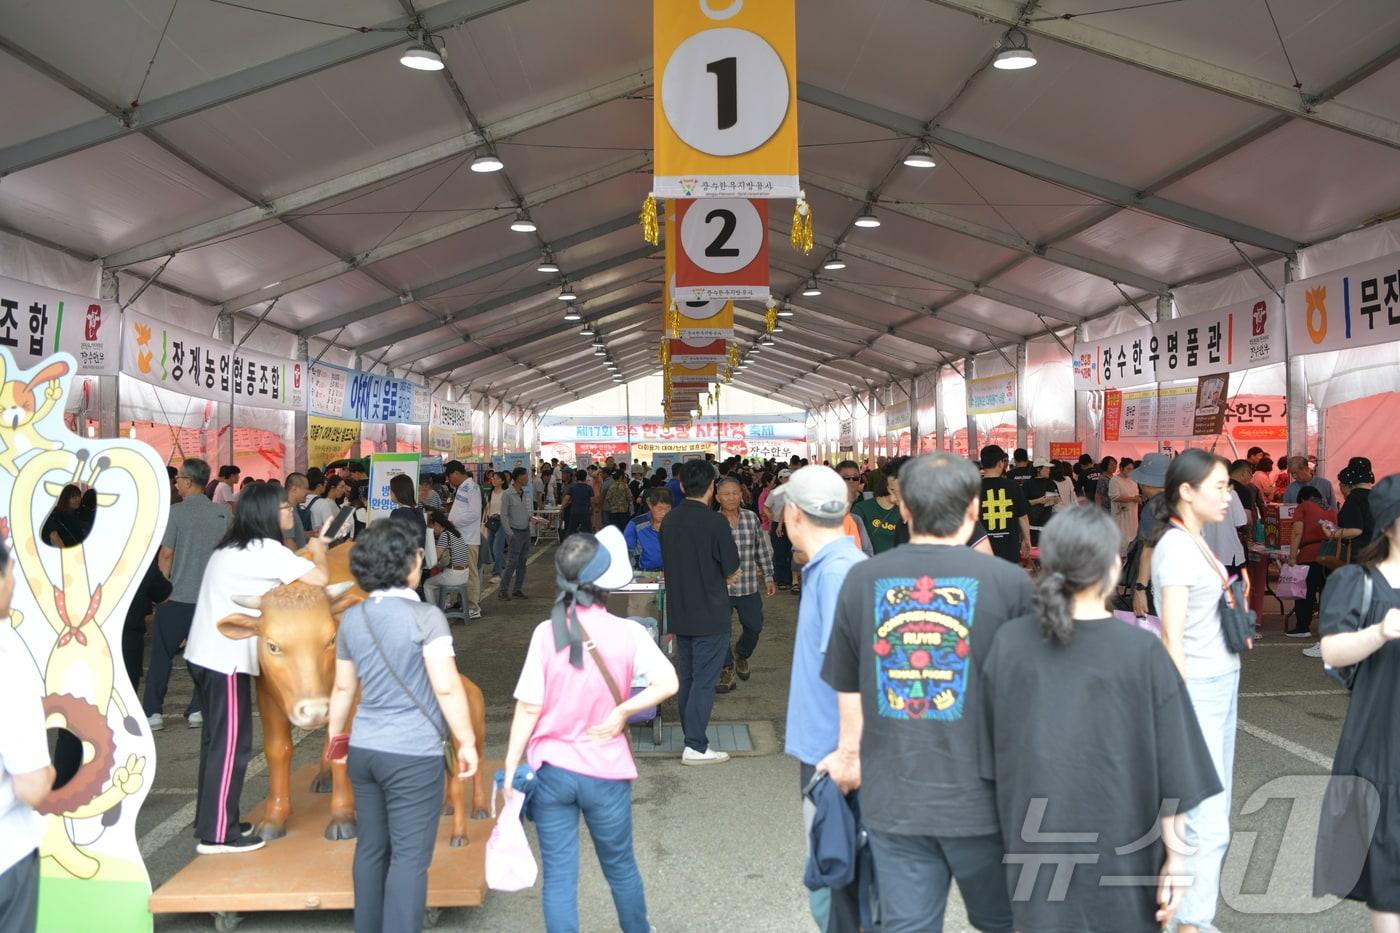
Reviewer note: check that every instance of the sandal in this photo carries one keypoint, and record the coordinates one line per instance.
(796, 588)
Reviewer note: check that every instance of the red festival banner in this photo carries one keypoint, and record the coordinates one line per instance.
(1112, 414)
(723, 250)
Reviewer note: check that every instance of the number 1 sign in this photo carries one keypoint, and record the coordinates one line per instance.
(723, 250)
(725, 112)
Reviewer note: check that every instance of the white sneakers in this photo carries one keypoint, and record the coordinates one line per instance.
(156, 721)
(708, 757)
(1313, 651)
(196, 719)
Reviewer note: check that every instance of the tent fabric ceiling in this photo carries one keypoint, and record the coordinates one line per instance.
(277, 158)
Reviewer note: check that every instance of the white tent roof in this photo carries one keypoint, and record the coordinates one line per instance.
(267, 157)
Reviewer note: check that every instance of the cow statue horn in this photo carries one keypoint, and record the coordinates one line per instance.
(336, 590)
(248, 602)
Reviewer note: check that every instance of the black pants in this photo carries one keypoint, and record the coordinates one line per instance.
(171, 629)
(701, 657)
(617, 519)
(19, 895)
(1307, 606)
(133, 649)
(225, 745)
(750, 609)
(398, 801)
(575, 522)
(782, 558)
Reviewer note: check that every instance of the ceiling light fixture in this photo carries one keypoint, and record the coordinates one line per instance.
(834, 263)
(522, 222)
(424, 55)
(921, 157)
(768, 341)
(566, 293)
(812, 290)
(547, 264)
(597, 341)
(571, 314)
(785, 311)
(1017, 54)
(868, 220)
(487, 163)
(777, 329)
(600, 351)
(272, 284)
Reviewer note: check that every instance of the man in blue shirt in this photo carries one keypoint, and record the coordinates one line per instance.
(812, 505)
(1302, 472)
(643, 533)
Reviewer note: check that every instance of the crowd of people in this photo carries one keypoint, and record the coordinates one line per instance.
(954, 641)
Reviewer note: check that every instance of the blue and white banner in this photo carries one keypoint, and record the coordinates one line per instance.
(358, 396)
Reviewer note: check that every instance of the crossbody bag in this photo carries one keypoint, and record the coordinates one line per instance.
(1236, 619)
(449, 753)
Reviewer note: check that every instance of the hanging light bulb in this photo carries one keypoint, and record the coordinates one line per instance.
(548, 265)
(812, 290)
(1017, 56)
(423, 55)
(834, 263)
(566, 293)
(600, 351)
(587, 331)
(571, 314)
(921, 157)
(768, 340)
(597, 341)
(487, 163)
(785, 311)
(777, 329)
(868, 220)
(522, 222)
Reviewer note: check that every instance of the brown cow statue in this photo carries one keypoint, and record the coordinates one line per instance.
(296, 629)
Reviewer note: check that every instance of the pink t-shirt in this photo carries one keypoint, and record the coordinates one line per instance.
(573, 700)
(764, 521)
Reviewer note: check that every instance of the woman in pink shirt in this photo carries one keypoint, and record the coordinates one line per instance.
(570, 725)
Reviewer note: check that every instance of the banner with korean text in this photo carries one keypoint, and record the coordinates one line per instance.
(205, 367)
(1228, 339)
(991, 394)
(697, 320)
(358, 396)
(37, 322)
(1358, 306)
(722, 251)
(329, 439)
(724, 116)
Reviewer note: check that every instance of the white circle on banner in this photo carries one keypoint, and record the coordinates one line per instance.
(698, 310)
(725, 91)
(726, 13)
(722, 235)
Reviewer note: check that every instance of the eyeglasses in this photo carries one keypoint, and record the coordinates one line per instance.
(852, 479)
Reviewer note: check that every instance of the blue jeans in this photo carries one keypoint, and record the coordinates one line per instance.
(560, 795)
(701, 657)
(1216, 702)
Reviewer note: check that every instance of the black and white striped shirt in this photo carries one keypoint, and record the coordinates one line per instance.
(455, 547)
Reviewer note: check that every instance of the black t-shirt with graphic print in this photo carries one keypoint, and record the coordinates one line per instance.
(1002, 503)
(911, 629)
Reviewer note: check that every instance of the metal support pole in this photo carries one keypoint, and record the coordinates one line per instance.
(300, 448)
(108, 387)
(940, 429)
(627, 406)
(223, 330)
(1023, 415)
(1297, 380)
(913, 416)
(970, 372)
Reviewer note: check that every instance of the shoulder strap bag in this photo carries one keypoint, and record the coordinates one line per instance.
(449, 753)
(1236, 618)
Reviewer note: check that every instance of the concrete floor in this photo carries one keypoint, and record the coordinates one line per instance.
(721, 847)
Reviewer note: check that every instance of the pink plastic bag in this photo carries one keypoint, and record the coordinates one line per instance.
(1151, 623)
(1292, 582)
(510, 865)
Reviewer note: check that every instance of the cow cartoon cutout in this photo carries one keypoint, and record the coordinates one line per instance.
(69, 607)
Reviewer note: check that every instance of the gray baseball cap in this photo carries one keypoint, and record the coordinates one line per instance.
(816, 490)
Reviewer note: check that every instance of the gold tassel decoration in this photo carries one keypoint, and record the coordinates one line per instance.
(673, 322)
(651, 227)
(665, 353)
(802, 224)
(770, 319)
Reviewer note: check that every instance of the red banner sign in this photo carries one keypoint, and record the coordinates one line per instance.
(723, 251)
(1068, 450)
(1112, 414)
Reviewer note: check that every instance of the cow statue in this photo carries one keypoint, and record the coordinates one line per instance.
(296, 629)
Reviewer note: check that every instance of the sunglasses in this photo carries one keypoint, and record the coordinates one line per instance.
(853, 479)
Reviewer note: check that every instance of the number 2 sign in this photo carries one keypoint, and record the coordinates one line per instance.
(725, 111)
(723, 250)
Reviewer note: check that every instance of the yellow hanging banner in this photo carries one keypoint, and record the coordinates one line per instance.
(329, 439)
(724, 115)
(696, 321)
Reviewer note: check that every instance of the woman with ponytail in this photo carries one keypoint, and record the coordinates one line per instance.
(1187, 583)
(1070, 676)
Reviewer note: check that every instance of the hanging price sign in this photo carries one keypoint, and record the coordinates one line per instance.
(725, 111)
(723, 250)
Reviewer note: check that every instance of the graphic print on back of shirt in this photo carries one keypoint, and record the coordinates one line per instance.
(922, 627)
(998, 508)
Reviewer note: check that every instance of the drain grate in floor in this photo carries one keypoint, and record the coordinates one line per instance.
(723, 736)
